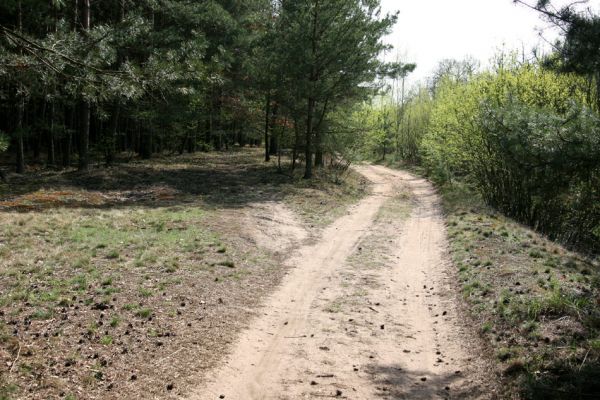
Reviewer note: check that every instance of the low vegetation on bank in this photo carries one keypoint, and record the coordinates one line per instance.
(535, 302)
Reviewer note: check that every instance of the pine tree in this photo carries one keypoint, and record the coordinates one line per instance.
(326, 50)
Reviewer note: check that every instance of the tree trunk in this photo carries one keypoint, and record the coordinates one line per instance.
(146, 145)
(84, 137)
(51, 153)
(314, 78)
(274, 138)
(308, 168)
(111, 144)
(267, 119)
(37, 138)
(318, 130)
(192, 140)
(279, 154)
(20, 151)
(20, 159)
(296, 143)
(274, 143)
(66, 151)
(67, 140)
(318, 148)
(84, 131)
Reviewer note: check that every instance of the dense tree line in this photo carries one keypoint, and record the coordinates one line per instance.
(83, 81)
(113, 74)
(524, 133)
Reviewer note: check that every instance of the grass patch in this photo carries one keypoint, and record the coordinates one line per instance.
(42, 314)
(106, 340)
(115, 321)
(226, 263)
(145, 292)
(144, 313)
(7, 390)
(334, 307)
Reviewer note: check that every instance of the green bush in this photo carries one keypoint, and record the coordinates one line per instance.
(528, 140)
(544, 167)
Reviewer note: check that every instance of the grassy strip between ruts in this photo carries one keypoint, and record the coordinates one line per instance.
(131, 283)
(536, 304)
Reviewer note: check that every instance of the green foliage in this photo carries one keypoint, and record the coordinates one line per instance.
(545, 169)
(414, 125)
(169, 75)
(177, 75)
(3, 142)
(455, 138)
(382, 127)
(528, 140)
(526, 137)
(374, 123)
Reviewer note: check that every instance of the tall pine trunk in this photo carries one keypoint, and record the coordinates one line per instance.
(146, 142)
(314, 77)
(38, 136)
(296, 143)
(68, 138)
(51, 160)
(274, 139)
(267, 119)
(318, 148)
(111, 145)
(308, 168)
(84, 133)
(20, 150)
(279, 156)
(84, 137)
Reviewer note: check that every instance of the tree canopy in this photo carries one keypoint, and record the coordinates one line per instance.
(100, 78)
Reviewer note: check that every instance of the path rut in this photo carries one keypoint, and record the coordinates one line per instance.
(367, 312)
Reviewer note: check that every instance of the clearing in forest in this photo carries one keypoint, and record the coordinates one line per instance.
(131, 282)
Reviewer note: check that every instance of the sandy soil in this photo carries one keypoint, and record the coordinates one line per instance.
(273, 226)
(384, 327)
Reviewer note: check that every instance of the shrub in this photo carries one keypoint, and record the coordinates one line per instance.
(529, 141)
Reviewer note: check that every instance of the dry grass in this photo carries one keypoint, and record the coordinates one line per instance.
(132, 282)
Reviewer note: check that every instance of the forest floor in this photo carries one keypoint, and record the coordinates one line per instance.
(131, 282)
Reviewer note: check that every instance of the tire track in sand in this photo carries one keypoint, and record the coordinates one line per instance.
(393, 332)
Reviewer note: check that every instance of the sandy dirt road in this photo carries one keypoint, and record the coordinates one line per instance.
(367, 312)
